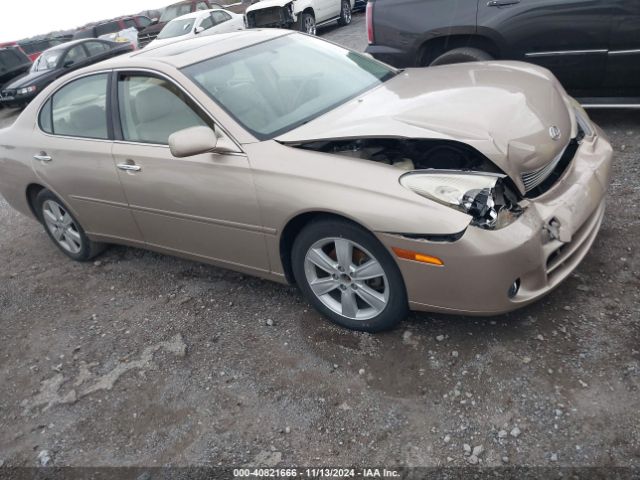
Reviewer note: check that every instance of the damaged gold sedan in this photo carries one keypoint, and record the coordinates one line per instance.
(471, 188)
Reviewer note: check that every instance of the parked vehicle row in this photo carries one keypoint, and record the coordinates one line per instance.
(471, 188)
(202, 23)
(56, 62)
(179, 9)
(593, 46)
(138, 22)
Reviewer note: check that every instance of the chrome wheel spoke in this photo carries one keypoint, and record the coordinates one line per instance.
(349, 304)
(66, 220)
(375, 299)
(322, 260)
(344, 254)
(49, 216)
(57, 211)
(371, 269)
(73, 235)
(322, 286)
(57, 233)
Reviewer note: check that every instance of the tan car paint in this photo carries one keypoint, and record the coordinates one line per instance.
(231, 210)
(502, 109)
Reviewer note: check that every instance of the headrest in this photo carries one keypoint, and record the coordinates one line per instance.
(153, 103)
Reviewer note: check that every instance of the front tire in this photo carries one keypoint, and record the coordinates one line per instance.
(307, 23)
(63, 228)
(349, 276)
(345, 13)
(461, 55)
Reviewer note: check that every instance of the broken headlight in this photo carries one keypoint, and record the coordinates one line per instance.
(484, 196)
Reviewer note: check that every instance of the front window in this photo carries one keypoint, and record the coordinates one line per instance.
(175, 11)
(47, 61)
(151, 109)
(275, 86)
(176, 28)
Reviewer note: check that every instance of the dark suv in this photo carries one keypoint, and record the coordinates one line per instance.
(593, 46)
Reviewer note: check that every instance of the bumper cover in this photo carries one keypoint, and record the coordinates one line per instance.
(480, 268)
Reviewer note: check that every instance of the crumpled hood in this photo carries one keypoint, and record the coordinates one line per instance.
(505, 110)
(266, 4)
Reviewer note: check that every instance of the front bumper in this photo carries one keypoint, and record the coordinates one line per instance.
(15, 100)
(480, 267)
(272, 17)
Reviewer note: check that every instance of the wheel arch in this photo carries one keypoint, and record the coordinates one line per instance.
(32, 191)
(293, 228)
(434, 47)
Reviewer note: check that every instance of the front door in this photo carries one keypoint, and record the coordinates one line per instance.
(202, 206)
(72, 150)
(569, 37)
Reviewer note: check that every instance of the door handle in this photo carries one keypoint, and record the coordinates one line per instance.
(129, 167)
(43, 157)
(502, 3)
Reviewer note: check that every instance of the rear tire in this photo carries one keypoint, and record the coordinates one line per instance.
(345, 13)
(461, 55)
(327, 260)
(307, 23)
(63, 228)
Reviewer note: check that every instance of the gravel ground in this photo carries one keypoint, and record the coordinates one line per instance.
(143, 359)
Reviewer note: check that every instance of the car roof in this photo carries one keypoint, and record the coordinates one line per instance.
(72, 43)
(193, 50)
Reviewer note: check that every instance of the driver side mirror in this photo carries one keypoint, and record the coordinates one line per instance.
(198, 30)
(192, 141)
(154, 21)
(68, 63)
(198, 140)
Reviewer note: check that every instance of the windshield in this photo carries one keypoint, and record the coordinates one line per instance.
(46, 61)
(175, 11)
(275, 86)
(177, 28)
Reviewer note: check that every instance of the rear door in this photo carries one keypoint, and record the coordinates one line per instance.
(569, 37)
(623, 69)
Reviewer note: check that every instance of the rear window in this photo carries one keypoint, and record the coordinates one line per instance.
(11, 58)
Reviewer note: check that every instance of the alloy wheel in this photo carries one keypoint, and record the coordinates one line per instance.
(346, 7)
(310, 25)
(61, 226)
(346, 278)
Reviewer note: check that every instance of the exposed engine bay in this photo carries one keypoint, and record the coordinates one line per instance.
(449, 172)
(408, 154)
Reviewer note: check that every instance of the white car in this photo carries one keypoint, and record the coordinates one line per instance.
(197, 24)
(303, 15)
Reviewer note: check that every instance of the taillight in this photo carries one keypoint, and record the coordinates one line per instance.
(370, 35)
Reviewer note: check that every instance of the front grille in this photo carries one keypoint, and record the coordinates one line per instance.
(540, 181)
(8, 93)
(266, 17)
(145, 39)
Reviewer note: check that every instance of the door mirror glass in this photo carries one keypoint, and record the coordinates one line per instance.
(192, 141)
